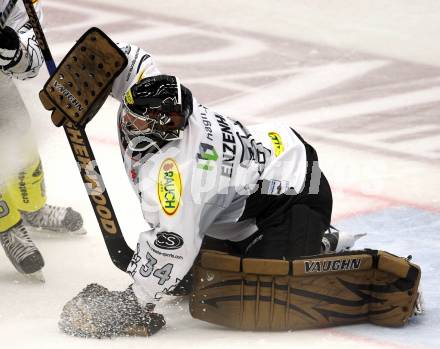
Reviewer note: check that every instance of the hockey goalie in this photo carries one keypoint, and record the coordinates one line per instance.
(238, 217)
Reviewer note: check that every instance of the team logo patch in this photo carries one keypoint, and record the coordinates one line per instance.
(168, 241)
(277, 142)
(169, 186)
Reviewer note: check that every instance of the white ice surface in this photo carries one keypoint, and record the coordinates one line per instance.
(344, 64)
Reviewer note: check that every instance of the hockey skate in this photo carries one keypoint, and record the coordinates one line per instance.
(56, 219)
(335, 241)
(22, 252)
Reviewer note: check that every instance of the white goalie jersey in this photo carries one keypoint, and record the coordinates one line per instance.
(199, 185)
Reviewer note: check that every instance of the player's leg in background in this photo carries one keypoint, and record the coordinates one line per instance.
(15, 239)
(28, 192)
(15, 141)
(23, 168)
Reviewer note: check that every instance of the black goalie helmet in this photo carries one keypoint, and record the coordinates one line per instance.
(155, 111)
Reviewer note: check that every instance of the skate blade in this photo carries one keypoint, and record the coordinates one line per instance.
(37, 276)
(80, 231)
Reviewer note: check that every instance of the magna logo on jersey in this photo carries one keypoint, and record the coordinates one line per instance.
(169, 186)
(278, 145)
(168, 241)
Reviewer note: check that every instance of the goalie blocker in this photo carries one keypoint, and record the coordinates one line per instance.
(312, 292)
(83, 80)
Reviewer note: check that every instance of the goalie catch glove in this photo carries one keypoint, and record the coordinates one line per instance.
(97, 312)
(10, 52)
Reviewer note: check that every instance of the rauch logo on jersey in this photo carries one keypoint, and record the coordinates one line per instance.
(168, 241)
(278, 145)
(169, 186)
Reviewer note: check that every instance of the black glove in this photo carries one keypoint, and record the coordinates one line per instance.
(98, 312)
(10, 52)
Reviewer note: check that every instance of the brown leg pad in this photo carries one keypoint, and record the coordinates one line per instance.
(317, 291)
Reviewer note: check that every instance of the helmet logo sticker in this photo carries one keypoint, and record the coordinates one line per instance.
(169, 186)
(129, 97)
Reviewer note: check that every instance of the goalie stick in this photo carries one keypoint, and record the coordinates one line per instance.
(41, 39)
(120, 253)
(6, 12)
